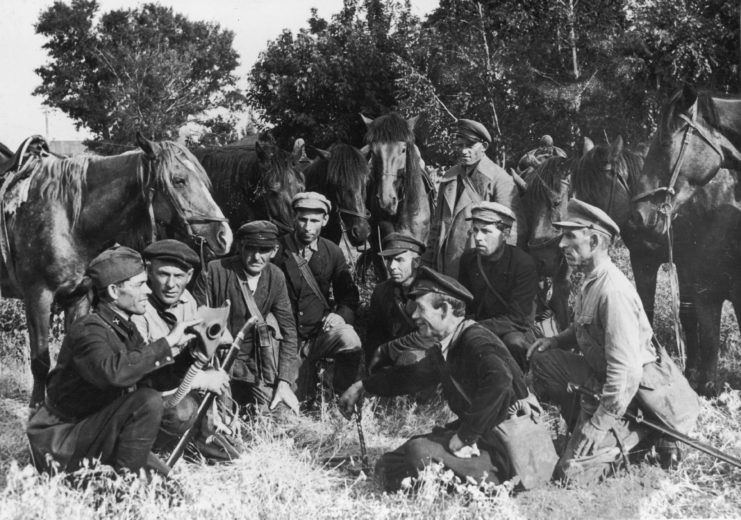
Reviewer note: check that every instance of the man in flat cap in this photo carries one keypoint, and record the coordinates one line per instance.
(616, 358)
(391, 307)
(502, 278)
(474, 179)
(313, 265)
(266, 367)
(95, 407)
(480, 381)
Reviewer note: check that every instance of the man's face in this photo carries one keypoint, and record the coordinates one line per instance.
(429, 320)
(403, 267)
(577, 247)
(168, 280)
(308, 225)
(131, 296)
(254, 259)
(488, 238)
(469, 152)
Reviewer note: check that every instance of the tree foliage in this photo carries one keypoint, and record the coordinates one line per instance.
(147, 69)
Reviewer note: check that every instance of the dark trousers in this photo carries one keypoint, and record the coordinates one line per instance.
(121, 434)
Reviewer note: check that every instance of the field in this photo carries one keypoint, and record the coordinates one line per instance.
(284, 474)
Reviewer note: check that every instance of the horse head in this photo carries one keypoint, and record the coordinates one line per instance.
(390, 139)
(686, 152)
(179, 193)
(276, 183)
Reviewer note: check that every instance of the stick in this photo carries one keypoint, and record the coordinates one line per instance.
(361, 438)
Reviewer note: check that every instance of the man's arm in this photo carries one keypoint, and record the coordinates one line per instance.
(504, 191)
(346, 294)
(283, 312)
(523, 293)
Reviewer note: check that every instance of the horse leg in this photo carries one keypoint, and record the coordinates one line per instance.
(644, 273)
(688, 316)
(709, 308)
(38, 314)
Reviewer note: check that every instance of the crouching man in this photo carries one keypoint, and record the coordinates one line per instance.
(616, 359)
(94, 406)
(480, 381)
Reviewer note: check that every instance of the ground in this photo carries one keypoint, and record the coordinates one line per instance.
(287, 472)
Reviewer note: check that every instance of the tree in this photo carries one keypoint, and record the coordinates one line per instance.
(146, 69)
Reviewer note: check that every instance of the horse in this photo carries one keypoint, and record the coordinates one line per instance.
(6, 155)
(253, 182)
(341, 173)
(698, 134)
(400, 194)
(58, 214)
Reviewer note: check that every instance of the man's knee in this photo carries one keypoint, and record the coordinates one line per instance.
(147, 402)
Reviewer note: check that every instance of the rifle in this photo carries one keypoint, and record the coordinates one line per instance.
(226, 365)
(639, 418)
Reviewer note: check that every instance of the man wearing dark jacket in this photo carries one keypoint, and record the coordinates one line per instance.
(95, 407)
(480, 382)
(312, 265)
(502, 278)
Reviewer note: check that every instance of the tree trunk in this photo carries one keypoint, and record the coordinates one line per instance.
(572, 38)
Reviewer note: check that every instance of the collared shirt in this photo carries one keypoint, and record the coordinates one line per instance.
(152, 325)
(252, 282)
(308, 250)
(614, 335)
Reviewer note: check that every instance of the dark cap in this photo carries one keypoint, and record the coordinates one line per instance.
(397, 243)
(311, 200)
(472, 131)
(258, 233)
(172, 251)
(428, 281)
(114, 265)
(492, 213)
(580, 215)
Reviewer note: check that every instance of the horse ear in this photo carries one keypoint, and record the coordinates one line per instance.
(412, 122)
(298, 149)
(616, 147)
(689, 97)
(365, 150)
(149, 147)
(588, 145)
(324, 154)
(366, 120)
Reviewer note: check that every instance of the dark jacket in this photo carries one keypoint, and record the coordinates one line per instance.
(481, 366)
(389, 315)
(513, 276)
(221, 283)
(102, 356)
(330, 269)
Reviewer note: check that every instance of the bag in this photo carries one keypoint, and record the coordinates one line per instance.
(218, 438)
(528, 443)
(265, 340)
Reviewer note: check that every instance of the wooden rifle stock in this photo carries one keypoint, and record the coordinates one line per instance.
(226, 365)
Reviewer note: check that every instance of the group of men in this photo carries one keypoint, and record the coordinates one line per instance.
(456, 311)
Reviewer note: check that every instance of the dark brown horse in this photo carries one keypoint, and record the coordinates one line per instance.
(60, 213)
(697, 136)
(253, 182)
(341, 173)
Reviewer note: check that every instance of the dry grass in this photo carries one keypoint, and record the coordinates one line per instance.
(283, 474)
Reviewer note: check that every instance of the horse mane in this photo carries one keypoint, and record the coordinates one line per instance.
(59, 180)
(344, 163)
(670, 123)
(172, 152)
(4, 150)
(545, 180)
(389, 127)
(586, 182)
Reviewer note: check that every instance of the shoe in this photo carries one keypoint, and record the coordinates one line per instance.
(669, 453)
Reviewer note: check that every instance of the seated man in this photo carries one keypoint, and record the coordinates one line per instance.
(170, 265)
(94, 406)
(480, 382)
(502, 279)
(313, 265)
(616, 358)
(255, 287)
(391, 308)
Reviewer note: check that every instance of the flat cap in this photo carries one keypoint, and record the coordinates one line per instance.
(173, 251)
(428, 281)
(258, 233)
(473, 131)
(580, 215)
(311, 200)
(397, 243)
(492, 213)
(114, 265)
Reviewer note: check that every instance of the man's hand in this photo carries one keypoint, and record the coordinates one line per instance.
(331, 321)
(284, 394)
(379, 359)
(211, 380)
(589, 437)
(178, 335)
(462, 451)
(350, 398)
(541, 345)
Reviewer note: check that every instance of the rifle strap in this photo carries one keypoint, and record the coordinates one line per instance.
(308, 276)
(249, 300)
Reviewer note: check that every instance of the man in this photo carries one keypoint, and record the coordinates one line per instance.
(617, 358)
(313, 265)
(256, 288)
(480, 381)
(474, 179)
(170, 266)
(95, 407)
(502, 278)
(391, 308)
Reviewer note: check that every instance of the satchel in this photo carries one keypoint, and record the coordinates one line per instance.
(266, 345)
(528, 443)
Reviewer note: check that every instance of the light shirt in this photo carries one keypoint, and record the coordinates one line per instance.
(252, 281)
(153, 327)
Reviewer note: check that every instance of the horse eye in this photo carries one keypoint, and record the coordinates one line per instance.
(178, 182)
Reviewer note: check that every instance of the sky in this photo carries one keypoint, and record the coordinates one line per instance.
(254, 23)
